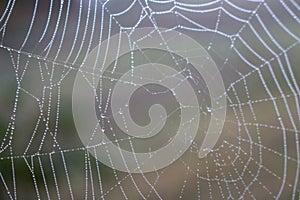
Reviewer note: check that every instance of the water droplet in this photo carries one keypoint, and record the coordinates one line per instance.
(120, 112)
(102, 116)
(207, 149)
(209, 109)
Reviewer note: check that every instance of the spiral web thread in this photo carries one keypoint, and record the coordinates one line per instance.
(255, 44)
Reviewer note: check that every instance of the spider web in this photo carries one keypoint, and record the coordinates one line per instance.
(255, 45)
